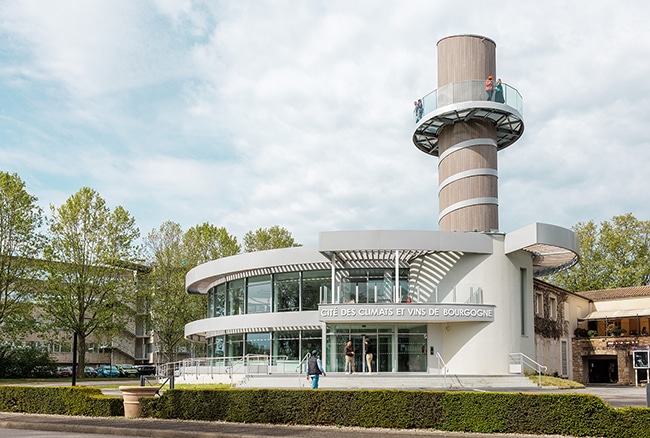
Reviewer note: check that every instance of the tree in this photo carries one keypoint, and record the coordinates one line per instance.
(90, 285)
(172, 254)
(20, 246)
(613, 255)
(268, 238)
(206, 242)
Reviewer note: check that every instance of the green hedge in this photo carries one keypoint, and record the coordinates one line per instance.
(480, 412)
(63, 400)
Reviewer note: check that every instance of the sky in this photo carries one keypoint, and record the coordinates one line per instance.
(248, 114)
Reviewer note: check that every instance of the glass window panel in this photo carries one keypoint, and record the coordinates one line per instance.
(216, 347)
(286, 345)
(311, 340)
(258, 344)
(286, 290)
(210, 299)
(234, 346)
(259, 294)
(313, 283)
(411, 349)
(219, 300)
(236, 297)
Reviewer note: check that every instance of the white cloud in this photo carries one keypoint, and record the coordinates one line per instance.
(249, 114)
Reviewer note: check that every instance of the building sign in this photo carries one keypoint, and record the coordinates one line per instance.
(412, 312)
(640, 358)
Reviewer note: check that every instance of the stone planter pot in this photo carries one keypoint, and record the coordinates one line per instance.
(131, 396)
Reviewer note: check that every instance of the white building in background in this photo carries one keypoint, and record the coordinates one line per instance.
(462, 296)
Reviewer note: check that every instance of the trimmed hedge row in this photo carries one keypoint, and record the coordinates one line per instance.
(61, 400)
(480, 412)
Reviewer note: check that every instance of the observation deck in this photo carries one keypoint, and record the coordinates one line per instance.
(465, 101)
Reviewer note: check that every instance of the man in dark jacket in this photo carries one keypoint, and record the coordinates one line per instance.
(314, 369)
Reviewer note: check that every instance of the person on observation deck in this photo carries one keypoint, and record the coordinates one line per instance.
(489, 87)
(498, 92)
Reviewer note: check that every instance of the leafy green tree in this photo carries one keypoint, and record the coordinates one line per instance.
(206, 242)
(268, 238)
(614, 254)
(169, 308)
(90, 286)
(172, 254)
(20, 245)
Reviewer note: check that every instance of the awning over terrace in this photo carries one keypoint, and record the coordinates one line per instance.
(616, 314)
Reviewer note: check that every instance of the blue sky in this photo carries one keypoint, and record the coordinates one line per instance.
(247, 114)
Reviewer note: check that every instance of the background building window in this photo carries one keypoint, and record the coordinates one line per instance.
(539, 304)
(552, 308)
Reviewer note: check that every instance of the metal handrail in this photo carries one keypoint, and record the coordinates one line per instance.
(521, 358)
(302, 361)
(443, 367)
(217, 365)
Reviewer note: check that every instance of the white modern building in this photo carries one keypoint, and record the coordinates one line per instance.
(461, 297)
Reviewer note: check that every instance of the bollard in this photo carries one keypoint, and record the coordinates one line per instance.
(142, 380)
(647, 392)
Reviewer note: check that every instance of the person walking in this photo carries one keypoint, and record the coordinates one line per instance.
(349, 357)
(314, 369)
(370, 354)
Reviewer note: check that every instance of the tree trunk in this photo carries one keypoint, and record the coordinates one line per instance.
(81, 354)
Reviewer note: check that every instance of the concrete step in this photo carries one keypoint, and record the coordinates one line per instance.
(386, 381)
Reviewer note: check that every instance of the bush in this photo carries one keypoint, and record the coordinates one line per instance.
(560, 414)
(25, 362)
(64, 400)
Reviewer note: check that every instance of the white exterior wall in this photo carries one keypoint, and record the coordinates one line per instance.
(482, 348)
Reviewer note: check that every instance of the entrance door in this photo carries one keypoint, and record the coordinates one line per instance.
(603, 370)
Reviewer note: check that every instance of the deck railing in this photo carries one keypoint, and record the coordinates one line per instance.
(467, 91)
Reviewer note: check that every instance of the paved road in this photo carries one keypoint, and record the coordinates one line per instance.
(15, 425)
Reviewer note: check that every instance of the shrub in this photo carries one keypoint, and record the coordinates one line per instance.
(487, 412)
(25, 362)
(64, 400)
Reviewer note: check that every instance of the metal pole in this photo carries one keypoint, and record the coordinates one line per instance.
(333, 274)
(398, 292)
(74, 359)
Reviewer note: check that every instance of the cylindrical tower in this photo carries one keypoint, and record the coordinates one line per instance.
(465, 126)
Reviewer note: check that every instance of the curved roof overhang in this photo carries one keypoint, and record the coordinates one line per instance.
(355, 247)
(201, 278)
(553, 248)
(350, 249)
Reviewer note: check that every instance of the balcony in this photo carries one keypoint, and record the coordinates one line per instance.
(468, 91)
(465, 101)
